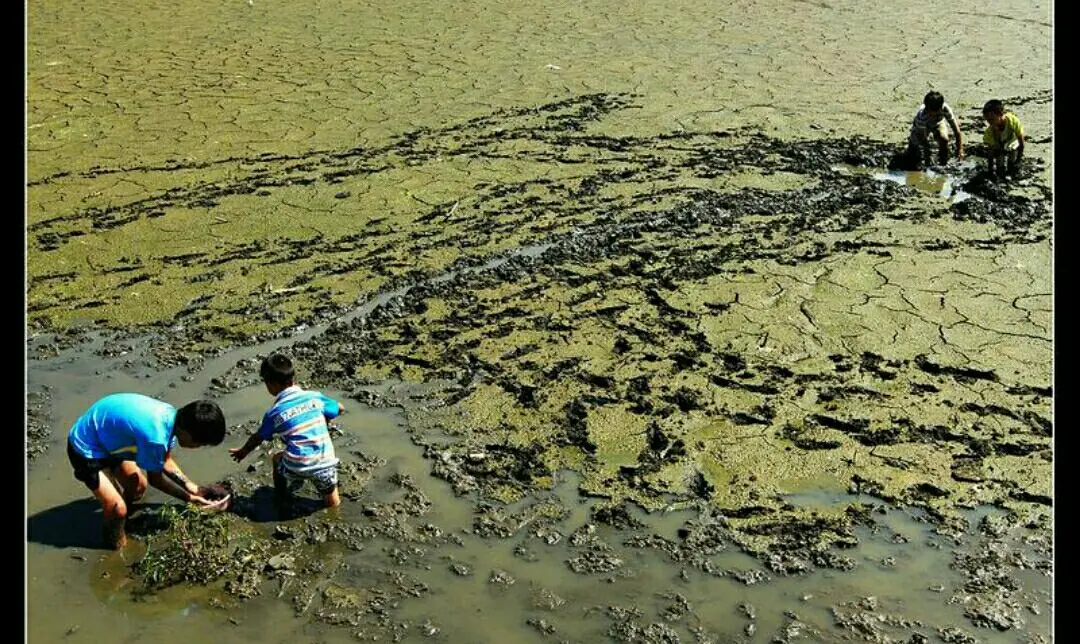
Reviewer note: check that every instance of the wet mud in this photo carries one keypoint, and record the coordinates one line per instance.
(633, 186)
(606, 382)
(625, 346)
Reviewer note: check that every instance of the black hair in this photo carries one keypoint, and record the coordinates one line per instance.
(277, 369)
(204, 420)
(933, 100)
(994, 106)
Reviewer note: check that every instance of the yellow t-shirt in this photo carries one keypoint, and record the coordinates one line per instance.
(1007, 135)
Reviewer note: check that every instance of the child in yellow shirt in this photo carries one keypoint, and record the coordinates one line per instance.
(1004, 139)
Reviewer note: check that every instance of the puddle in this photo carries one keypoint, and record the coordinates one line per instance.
(930, 181)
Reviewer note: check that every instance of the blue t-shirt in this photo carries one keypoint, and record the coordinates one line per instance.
(299, 418)
(132, 427)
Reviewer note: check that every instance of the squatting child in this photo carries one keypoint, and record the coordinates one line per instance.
(125, 441)
(298, 417)
(1004, 139)
(934, 120)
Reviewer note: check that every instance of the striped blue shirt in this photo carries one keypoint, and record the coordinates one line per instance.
(132, 427)
(299, 418)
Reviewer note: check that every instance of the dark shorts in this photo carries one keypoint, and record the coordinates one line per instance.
(86, 469)
(325, 479)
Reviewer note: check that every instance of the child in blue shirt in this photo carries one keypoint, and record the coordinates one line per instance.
(298, 417)
(123, 434)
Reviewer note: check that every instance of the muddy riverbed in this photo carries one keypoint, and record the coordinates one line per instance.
(641, 339)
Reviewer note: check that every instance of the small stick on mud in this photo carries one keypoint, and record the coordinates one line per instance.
(452, 209)
(893, 461)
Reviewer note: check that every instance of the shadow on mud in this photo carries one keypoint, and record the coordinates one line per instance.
(76, 524)
(261, 507)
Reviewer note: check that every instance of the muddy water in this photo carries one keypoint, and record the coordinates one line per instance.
(217, 174)
(476, 589)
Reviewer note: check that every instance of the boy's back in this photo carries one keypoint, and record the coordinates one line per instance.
(128, 425)
(299, 418)
(932, 118)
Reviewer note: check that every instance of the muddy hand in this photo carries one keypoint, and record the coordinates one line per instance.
(206, 504)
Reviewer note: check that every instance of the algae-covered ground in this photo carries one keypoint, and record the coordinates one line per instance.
(680, 347)
(595, 303)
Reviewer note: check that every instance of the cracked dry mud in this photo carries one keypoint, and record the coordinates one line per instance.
(629, 356)
(802, 324)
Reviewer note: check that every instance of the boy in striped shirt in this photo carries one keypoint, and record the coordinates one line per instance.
(934, 120)
(298, 417)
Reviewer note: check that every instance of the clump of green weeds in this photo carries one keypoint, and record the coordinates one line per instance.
(193, 548)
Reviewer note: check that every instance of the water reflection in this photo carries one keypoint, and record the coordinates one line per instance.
(927, 181)
(930, 181)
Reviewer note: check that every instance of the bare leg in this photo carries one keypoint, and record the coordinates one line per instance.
(115, 512)
(281, 488)
(132, 481)
(943, 148)
(333, 499)
(924, 155)
(282, 496)
(1012, 163)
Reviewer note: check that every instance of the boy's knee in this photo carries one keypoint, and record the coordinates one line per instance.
(116, 511)
(134, 487)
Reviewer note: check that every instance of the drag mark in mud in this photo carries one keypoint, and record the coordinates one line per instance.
(612, 187)
(715, 321)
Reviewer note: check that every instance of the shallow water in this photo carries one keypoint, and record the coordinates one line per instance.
(940, 183)
(905, 578)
